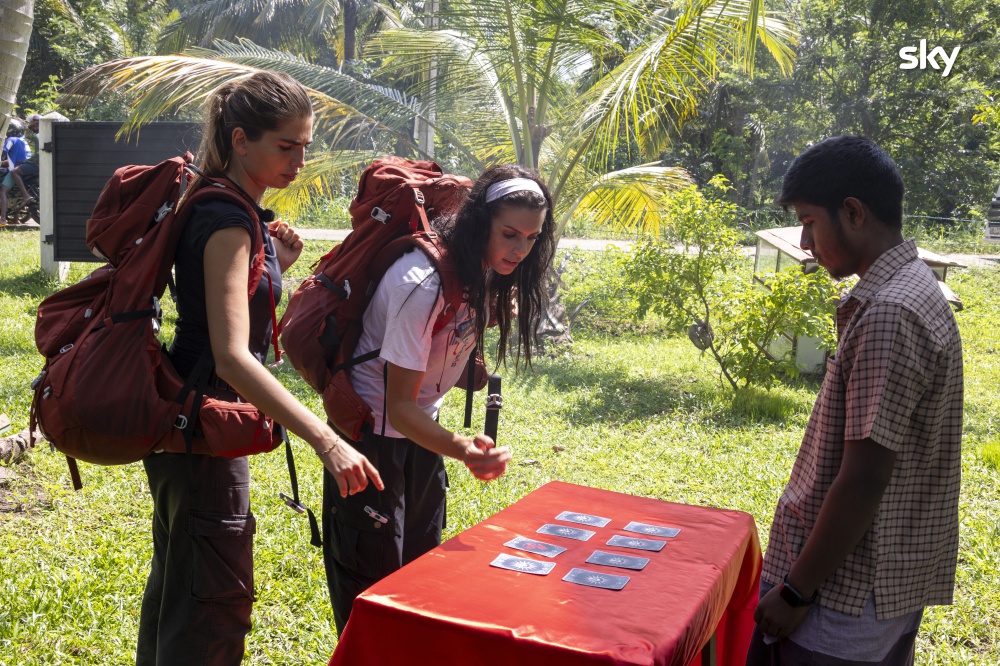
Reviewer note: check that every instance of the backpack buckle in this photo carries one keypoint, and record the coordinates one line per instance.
(291, 503)
(494, 401)
(376, 515)
(380, 215)
(181, 423)
(419, 196)
(163, 211)
(38, 380)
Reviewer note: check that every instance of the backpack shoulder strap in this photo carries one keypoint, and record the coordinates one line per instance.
(217, 188)
(430, 244)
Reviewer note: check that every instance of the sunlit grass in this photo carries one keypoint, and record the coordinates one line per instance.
(645, 415)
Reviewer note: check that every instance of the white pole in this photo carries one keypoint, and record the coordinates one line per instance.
(46, 201)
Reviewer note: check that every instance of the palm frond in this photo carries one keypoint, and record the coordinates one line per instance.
(348, 111)
(65, 9)
(659, 85)
(286, 23)
(628, 199)
(316, 180)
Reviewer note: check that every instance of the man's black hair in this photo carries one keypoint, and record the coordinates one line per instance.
(842, 167)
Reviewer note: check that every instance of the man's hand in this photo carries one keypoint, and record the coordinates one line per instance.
(775, 617)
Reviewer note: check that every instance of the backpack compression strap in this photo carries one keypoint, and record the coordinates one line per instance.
(494, 402)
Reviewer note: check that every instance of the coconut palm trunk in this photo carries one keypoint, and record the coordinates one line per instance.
(16, 17)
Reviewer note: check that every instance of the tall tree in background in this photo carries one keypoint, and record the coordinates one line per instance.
(16, 18)
(327, 32)
(567, 87)
(848, 79)
(71, 35)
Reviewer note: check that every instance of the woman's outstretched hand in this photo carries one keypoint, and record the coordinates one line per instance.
(350, 468)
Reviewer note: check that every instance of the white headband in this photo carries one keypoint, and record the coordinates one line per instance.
(505, 187)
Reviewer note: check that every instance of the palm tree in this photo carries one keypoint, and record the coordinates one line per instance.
(570, 87)
(16, 18)
(566, 85)
(325, 30)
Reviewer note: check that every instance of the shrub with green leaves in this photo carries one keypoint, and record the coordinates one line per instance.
(596, 292)
(695, 286)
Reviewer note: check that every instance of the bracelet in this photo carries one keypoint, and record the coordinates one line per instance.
(327, 450)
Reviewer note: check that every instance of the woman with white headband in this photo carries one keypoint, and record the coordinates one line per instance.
(500, 243)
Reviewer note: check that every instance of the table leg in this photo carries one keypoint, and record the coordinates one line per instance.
(708, 657)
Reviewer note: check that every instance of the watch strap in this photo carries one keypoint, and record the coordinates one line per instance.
(793, 597)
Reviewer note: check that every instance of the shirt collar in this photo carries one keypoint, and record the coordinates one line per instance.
(883, 268)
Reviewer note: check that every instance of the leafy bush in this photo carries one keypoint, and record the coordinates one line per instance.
(694, 286)
(596, 292)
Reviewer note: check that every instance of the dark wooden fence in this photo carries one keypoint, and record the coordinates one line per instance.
(86, 154)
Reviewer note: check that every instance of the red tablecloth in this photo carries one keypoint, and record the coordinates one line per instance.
(451, 607)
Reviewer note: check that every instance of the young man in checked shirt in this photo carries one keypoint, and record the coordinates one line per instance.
(866, 533)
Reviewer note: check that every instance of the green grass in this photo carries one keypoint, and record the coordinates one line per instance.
(640, 414)
(325, 213)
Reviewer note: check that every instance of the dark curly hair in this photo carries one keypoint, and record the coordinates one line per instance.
(466, 235)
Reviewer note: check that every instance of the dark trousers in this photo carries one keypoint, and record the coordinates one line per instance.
(787, 653)
(359, 549)
(196, 606)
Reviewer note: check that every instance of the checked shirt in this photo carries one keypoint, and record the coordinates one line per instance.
(896, 378)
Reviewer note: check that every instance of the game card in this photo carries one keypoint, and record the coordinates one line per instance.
(583, 518)
(652, 530)
(616, 560)
(565, 532)
(537, 547)
(639, 544)
(595, 579)
(523, 564)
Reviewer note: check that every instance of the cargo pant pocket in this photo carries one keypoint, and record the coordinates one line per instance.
(355, 543)
(222, 557)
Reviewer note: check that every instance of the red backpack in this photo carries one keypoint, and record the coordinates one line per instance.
(108, 393)
(390, 215)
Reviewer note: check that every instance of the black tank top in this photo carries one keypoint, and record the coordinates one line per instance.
(191, 332)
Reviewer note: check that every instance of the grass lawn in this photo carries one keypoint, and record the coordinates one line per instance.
(639, 414)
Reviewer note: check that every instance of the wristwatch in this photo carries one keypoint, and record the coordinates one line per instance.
(793, 597)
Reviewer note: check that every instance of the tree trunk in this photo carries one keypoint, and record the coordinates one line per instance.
(424, 133)
(16, 17)
(553, 327)
(350, 8)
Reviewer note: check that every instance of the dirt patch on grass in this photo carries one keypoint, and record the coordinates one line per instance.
(24, 492)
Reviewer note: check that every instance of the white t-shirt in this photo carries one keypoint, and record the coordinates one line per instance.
(407, 298)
